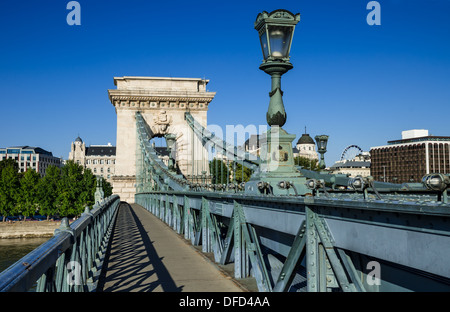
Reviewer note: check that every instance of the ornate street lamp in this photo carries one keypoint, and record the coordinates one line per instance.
(322, 141)
(170, 141)
(276, 31)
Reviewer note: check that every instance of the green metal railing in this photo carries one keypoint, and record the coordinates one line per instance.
(314, 243)
(71, 260)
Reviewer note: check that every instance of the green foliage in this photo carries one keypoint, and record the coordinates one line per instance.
(26, 195)
(48, 191)
(306, 163)
(9, 185)
(9, 162)
(219, 171)
(64, 192)
(107, 188)
(76, 190)
(238, 167)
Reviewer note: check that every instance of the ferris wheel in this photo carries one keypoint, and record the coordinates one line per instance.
(350, 152)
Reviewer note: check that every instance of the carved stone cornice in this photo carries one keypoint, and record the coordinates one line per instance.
(160, 93)
(160, 98)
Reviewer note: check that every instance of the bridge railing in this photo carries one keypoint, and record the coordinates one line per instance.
(315, 243)
(69, 261)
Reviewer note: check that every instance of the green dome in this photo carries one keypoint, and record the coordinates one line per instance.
(305, 139)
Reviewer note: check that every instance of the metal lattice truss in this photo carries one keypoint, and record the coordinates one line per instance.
(152, 173)
(227, 149)
(314, 244)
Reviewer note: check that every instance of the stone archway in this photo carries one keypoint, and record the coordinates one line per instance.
(162, 102)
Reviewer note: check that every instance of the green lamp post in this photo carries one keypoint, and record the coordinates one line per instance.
(276, 30)
(322, 141)
(277, 174)
(170, 141)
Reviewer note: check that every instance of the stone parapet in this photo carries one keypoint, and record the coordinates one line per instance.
(125, 187)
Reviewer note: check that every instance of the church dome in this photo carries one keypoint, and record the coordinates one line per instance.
(305, 139)
(78, 139)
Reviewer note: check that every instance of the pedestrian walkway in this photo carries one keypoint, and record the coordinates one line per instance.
(146, 255)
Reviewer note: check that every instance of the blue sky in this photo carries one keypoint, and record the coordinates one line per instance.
(360, 84)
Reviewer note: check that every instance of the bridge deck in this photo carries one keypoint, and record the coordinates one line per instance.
(146, 255)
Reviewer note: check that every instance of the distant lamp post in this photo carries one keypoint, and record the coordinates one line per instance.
(322, 141)
(276, 31)
(170, 141)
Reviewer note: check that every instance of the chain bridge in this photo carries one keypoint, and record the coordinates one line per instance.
(336, 234)
(183, 222)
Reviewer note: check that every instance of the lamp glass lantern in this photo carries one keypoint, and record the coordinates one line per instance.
(322, 141)
(276, 30)
(170, 141)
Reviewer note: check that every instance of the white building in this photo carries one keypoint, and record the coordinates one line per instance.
(358, 166)
(101, 159)
(29, 157)
(305, 147)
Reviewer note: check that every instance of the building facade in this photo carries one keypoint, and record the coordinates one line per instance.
(29, 157)
(100, 159)
(306, 147)
(412, 157)
(358, 166)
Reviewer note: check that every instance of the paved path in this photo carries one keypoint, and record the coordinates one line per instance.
(148, 256)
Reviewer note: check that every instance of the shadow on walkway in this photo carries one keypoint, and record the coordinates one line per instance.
(132, 263)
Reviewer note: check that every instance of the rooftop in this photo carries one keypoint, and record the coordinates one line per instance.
(420, 139)
(24, 149)
(101, 150)
(350, 164)
(305, 139)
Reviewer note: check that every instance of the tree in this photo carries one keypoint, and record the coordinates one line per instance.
(48, 191)
(70, 187)
(9, 162)
(238, 167)
(9, 184)
(306, 163)
(219, 171)
(26, 196)
(87, 191)
(107, 188)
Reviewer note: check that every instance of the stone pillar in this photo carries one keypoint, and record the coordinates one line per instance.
(162, 102)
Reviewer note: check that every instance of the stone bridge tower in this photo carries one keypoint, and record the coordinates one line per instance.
(162, 102)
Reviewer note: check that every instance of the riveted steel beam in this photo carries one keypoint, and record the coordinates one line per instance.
(293, 260)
